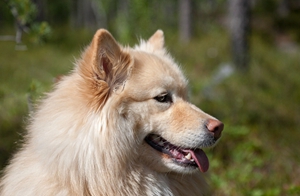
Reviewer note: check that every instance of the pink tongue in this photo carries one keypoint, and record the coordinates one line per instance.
(200, 158)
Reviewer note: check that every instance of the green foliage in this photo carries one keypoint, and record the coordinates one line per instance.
(40, 32)
(26, 10)
(294, 190)
(25, 13)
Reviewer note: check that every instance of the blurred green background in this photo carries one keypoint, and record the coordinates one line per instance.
(259, 153)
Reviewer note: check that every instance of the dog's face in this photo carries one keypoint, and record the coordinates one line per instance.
(152, 95)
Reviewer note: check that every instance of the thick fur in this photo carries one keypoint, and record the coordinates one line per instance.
(87, 136)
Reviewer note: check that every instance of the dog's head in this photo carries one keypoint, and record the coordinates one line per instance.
(148, 91)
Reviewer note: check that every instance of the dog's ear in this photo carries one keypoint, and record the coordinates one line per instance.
(105, 65)
(110, 63)
(157, 40)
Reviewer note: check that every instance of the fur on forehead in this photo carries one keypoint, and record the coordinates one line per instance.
(155, 45)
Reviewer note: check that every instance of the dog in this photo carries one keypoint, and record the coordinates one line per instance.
(119, 124)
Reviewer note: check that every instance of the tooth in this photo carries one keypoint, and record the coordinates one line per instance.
(161, 143)
(188, 156)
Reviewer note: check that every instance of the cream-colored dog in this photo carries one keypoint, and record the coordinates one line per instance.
(119, 124)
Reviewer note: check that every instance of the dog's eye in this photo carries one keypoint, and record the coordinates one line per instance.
(165, 98)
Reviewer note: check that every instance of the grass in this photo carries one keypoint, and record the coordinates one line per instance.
(259, 152)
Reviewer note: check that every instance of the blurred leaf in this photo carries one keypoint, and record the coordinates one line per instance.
(294, 190)
(40, 32)
(26, 10)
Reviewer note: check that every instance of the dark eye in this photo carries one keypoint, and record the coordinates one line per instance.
(164, 98)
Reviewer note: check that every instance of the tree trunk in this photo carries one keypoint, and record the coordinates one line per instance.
(41, 9)
(185, 20)
(239, 27)
(283, 8)
(88, 14)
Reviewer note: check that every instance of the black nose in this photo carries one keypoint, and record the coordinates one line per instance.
(215, 126)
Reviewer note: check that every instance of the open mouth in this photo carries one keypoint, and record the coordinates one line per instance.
(185, 157)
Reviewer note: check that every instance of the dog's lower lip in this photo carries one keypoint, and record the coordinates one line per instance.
(186, 157)
(179, 155)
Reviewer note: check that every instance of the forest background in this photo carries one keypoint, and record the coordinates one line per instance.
(242, 59)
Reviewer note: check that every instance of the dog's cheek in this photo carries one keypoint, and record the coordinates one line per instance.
(138, 114)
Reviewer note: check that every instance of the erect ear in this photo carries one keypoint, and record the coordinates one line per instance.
(106, 66)
(157, 40)
(110, 63)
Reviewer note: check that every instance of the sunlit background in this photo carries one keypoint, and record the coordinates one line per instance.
(242, 58)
